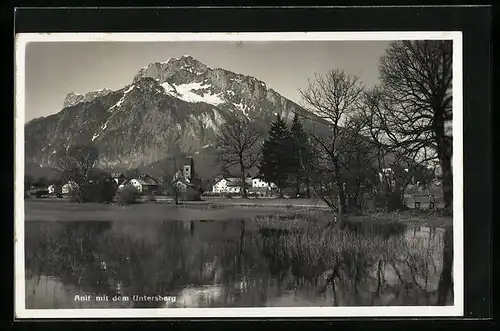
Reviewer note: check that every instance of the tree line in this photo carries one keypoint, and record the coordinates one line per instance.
(359, 139)
(76, 165)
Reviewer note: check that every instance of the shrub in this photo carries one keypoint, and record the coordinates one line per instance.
(128, 195)
(90, 192)
(108, 189)
(191, 195)
(101, 191)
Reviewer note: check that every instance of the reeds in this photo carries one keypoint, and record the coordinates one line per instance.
(361, 253)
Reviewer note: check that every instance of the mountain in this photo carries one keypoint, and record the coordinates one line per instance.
(75, 98)
(171, 107)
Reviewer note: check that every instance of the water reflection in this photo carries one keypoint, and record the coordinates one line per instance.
(225, 264)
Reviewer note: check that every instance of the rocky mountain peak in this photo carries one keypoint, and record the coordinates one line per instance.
(73, 99)
(185, 68)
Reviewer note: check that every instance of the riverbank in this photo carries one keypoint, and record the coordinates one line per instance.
(220, 210)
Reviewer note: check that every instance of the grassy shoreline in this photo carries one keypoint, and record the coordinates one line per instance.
(61, 210)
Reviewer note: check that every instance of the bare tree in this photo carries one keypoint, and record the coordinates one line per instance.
(333, 99)
(360, 171)
(410, 112)
(237, 143)
(171, 180)
(396, 165)
(75, 163)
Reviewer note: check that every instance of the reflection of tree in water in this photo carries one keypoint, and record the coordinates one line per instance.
(164, 258)
(67, 251)
(354, 265)
(104, 259)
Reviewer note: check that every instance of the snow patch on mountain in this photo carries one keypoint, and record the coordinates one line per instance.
(122, 99)
(243, 107)
(169, 89)
(230, 93)
(210, 121)
(186, 93)
(218, 118)
(105, 125)
(129, 89)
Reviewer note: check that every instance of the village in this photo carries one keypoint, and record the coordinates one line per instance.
(188, 185)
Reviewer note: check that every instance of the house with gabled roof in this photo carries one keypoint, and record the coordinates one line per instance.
(229, 184)
(144, 184)
(259, 182)
(68, 187)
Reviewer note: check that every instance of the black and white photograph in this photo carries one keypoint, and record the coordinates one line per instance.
(239, 174)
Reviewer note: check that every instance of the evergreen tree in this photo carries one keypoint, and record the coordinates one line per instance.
(301, 153)
(277, 158)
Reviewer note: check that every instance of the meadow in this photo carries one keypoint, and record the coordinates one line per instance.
(213, 209)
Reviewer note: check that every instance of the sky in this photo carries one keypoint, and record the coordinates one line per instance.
(54, 69)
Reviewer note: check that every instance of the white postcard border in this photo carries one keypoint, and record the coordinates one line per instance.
(410, 311)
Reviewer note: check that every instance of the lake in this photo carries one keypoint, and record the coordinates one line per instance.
(134, 264)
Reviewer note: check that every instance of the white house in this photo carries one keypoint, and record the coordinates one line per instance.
(144, 184)
(68, 187)
(233, 186)
(258, 182)
(54, 189)
(228, 185)
(137, 183)
(220, 185)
